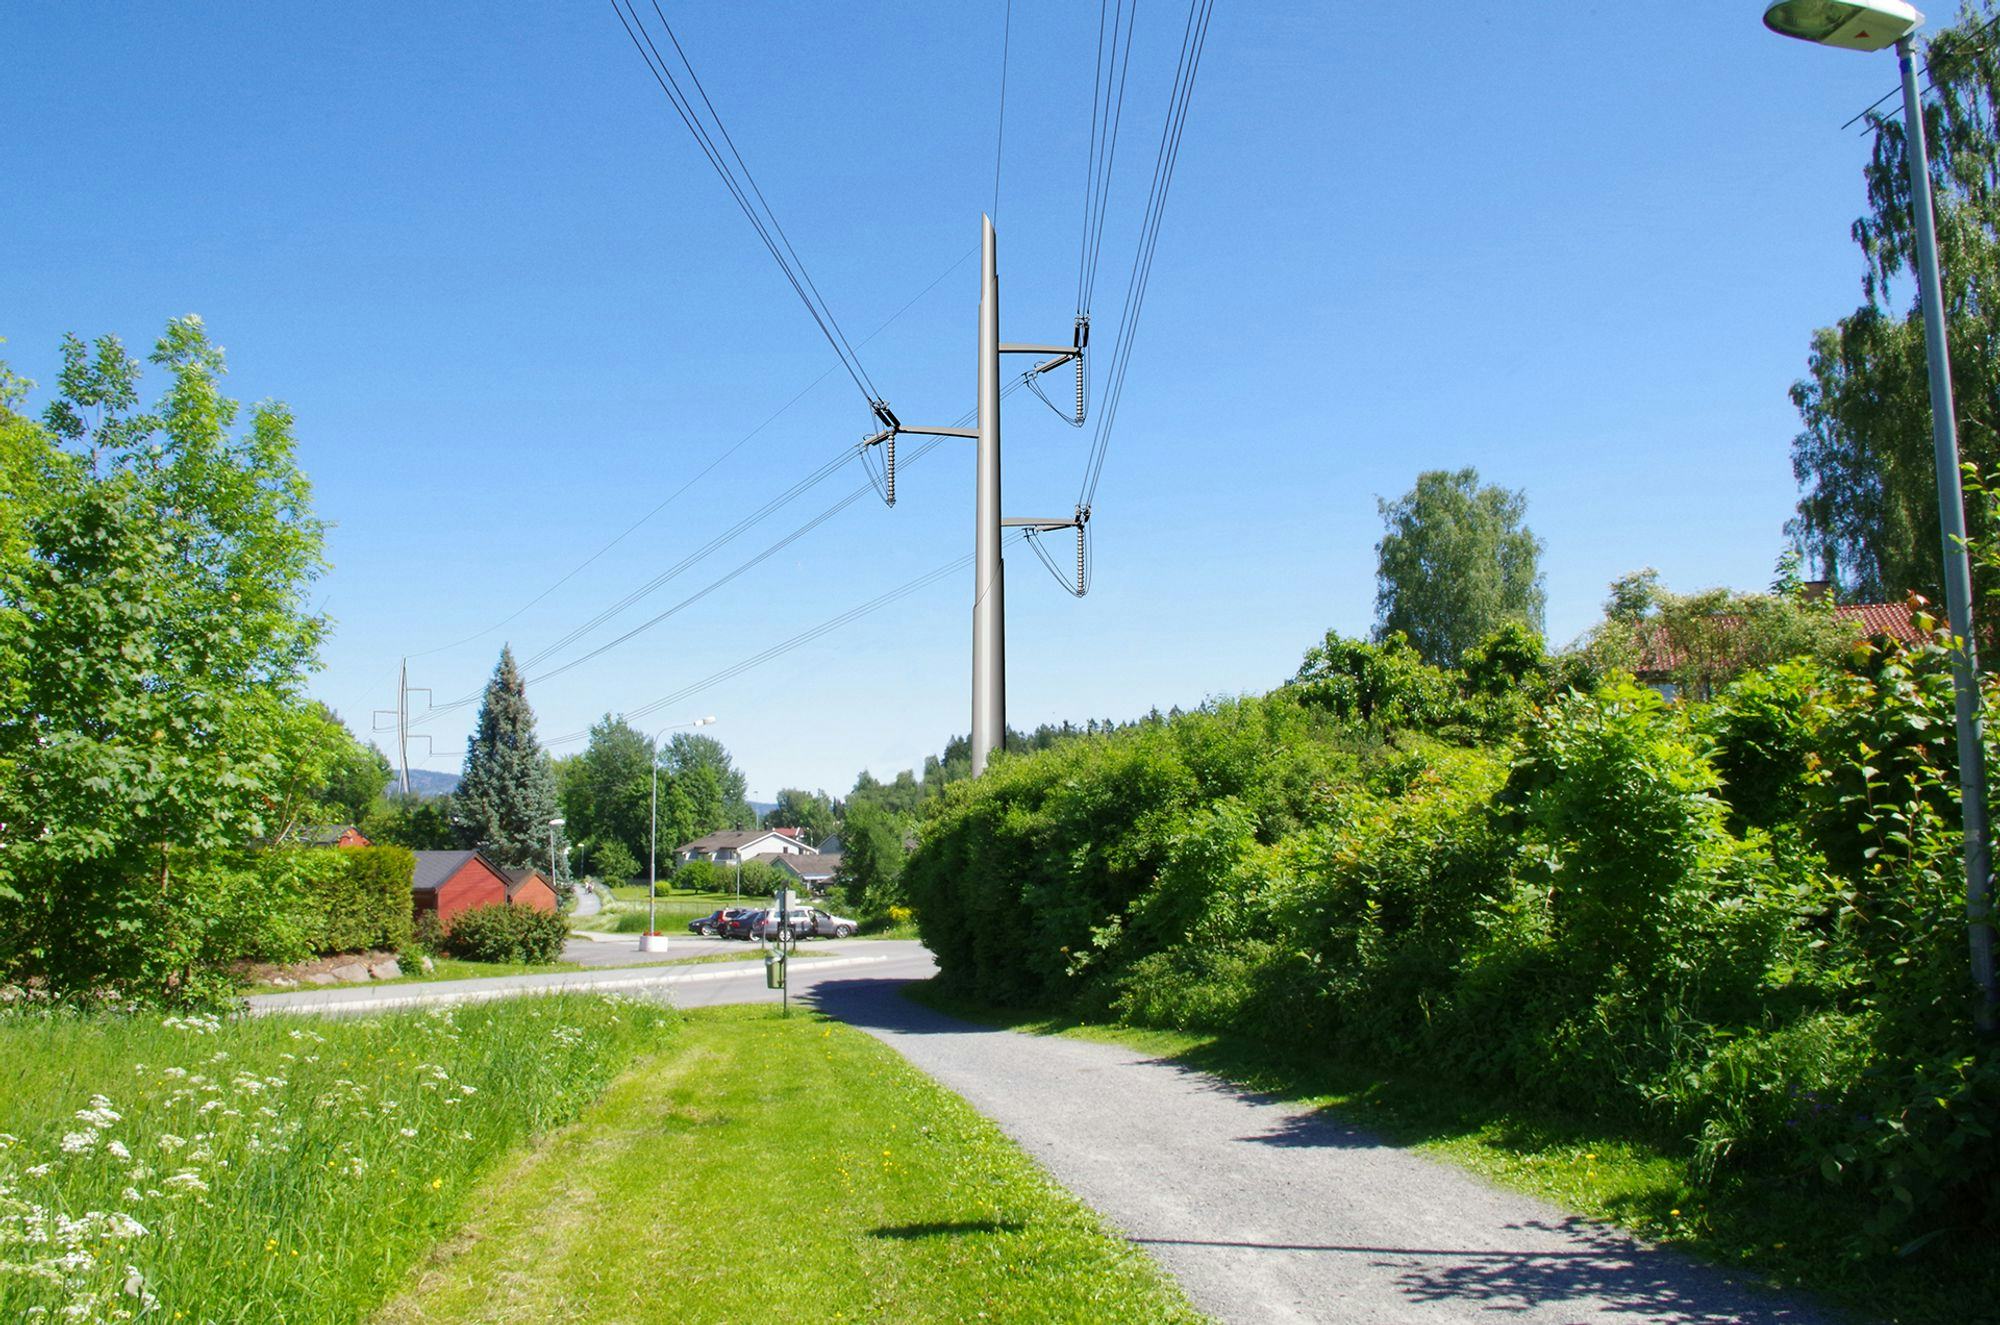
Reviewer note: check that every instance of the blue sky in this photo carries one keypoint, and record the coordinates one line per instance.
(513, 310)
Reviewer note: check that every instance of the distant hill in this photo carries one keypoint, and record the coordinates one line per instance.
(427, 782)
(762, 807)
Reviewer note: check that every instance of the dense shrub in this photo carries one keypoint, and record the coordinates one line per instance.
(700, 876)
(501, 933)
(1739, 924)
(427, 932)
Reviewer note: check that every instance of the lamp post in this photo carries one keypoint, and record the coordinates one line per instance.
(652, 940)
(1871, 25)
(553, 876)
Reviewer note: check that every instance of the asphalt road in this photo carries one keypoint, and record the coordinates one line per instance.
(1267, 1212)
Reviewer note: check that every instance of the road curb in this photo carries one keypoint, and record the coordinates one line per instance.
(264, 1005)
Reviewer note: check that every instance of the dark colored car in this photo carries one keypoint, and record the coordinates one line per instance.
(711, 925)
(740, 924)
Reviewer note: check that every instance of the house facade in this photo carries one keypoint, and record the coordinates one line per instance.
(734, 846)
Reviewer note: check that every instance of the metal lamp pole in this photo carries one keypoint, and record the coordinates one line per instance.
(1870, 25)
(553, 825)
(653, 833)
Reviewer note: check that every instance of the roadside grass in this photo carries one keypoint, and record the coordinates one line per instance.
(451, 968)
(272, 1169)
(1782, 1235)
(771, 1168)
(674, 910)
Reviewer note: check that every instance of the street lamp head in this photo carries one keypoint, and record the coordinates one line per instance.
(557, 823)
(708, 721)
(1854, 25)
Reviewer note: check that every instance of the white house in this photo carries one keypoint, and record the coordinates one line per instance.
(733, 846)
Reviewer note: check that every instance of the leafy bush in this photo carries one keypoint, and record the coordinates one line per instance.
(427, 932)
(501, 933)
(340, 899)
(1739, 925)
(699, 876)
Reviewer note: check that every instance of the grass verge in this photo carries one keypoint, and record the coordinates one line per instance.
(451, 968)
(1783, 1237)
(774, 1168)
(273, 1169)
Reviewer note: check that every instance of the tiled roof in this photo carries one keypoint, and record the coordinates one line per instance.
(1895, 620)
(434, 867)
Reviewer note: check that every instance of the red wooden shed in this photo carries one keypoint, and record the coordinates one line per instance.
(528, 888)
(448, 882)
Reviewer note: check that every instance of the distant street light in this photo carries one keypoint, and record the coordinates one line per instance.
(554, 887)
(653, 842)
(1871, 25)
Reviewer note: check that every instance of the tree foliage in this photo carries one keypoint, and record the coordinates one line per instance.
(154, 641)
(1454, 563)
(507, 795)
(1867, 514)
(871, 861)
(811, 811)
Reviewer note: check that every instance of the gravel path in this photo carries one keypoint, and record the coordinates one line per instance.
(1267, 1212)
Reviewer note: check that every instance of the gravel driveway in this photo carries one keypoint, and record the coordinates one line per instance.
(1267, 1212)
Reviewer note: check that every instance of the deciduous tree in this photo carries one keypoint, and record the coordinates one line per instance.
(1455, 563)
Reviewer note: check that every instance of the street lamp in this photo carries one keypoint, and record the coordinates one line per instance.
(553, 876)
(1871, 25)
(647, 940)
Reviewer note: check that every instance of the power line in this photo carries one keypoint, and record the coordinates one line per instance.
(812, 523)
(1194, 37)
(764, 221)
(1107, 112)
(797, 641)
(1929, 73)
(704, 472)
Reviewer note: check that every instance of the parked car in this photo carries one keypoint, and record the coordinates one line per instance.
(806, 922)
(813, 922)
(741, 925)
(711, 925)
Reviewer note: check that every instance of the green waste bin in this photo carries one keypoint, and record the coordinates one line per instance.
(774, 968)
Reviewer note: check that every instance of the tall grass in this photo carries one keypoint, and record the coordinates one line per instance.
(280, 1169)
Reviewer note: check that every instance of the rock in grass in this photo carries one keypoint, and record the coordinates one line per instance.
(351, 972)
(388, 970)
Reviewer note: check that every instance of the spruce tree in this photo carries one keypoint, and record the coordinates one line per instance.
(508, 794)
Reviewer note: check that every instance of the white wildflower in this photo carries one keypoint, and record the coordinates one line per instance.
(77, 1143)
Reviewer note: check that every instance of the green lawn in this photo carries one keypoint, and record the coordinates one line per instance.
(1775, 1234)
(276, 1169)
(885, 1198)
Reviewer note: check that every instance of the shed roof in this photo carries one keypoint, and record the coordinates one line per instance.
(435, 867)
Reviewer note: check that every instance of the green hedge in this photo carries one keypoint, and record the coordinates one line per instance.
(341, 899)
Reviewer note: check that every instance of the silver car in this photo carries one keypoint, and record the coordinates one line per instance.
(806, 922)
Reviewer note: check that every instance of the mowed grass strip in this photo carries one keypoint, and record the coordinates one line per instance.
(769, 1168)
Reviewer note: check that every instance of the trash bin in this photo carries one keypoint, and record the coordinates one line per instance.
(774, 967)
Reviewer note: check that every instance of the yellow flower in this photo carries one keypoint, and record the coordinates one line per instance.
(436, 1183)
(1675, 1213)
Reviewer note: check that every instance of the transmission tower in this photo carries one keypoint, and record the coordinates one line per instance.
(989, 614)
